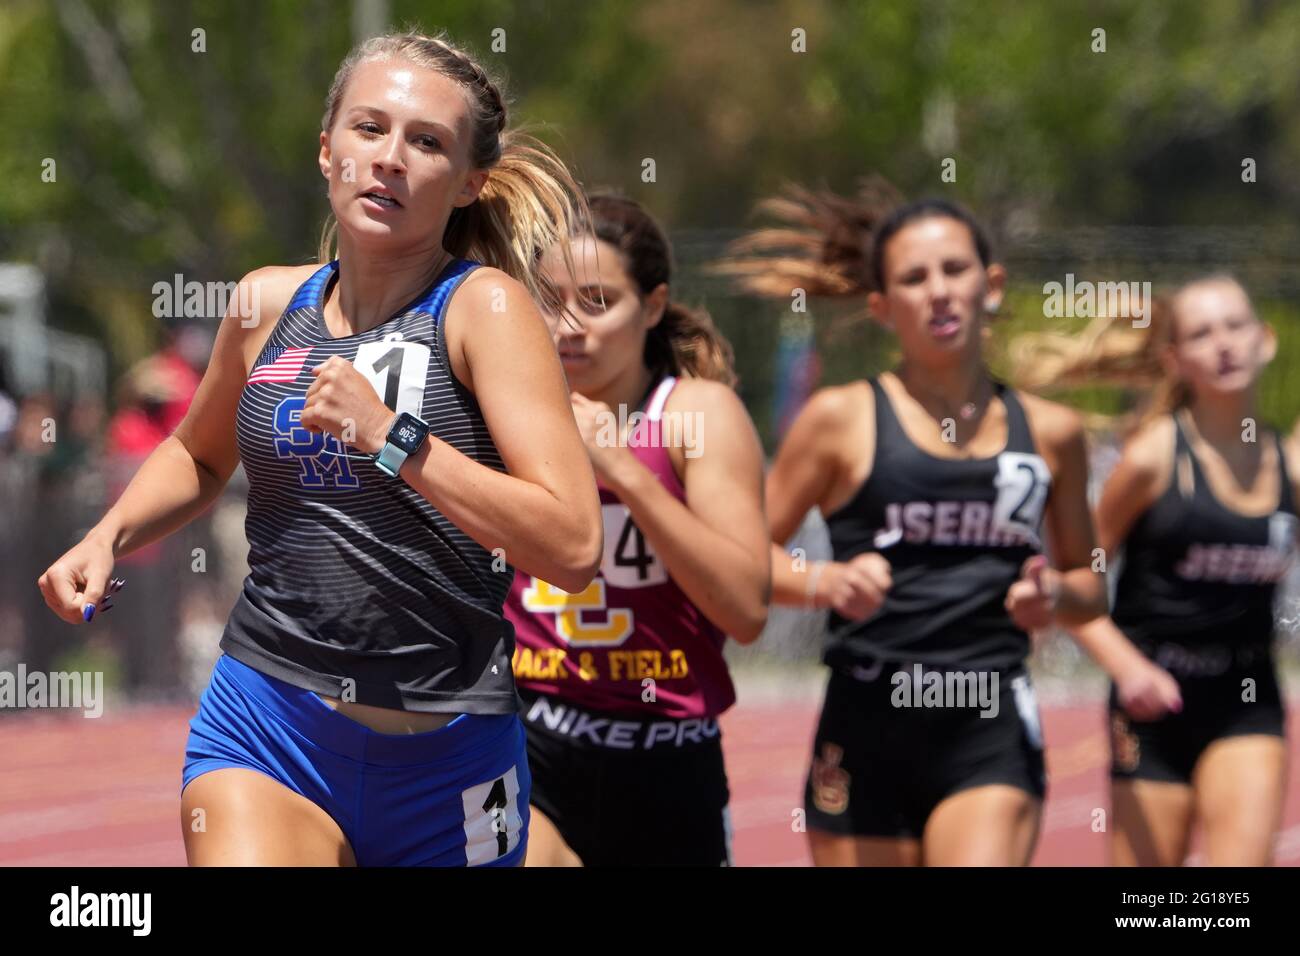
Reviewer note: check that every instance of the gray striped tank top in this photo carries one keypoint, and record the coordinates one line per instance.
(358, 587)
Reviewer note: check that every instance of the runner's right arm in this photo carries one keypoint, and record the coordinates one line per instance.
(806, 472)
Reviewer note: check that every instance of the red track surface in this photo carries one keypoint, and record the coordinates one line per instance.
(78, 792)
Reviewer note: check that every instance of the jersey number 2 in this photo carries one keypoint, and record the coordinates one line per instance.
(1023, 481)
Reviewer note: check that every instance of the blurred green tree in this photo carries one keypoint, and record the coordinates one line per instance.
(194, 153)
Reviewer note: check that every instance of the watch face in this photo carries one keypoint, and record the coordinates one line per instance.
(407, 434)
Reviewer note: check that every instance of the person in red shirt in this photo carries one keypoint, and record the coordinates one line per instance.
(154, 396)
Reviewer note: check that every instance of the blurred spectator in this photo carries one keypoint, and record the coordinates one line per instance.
(63, 462)
(43, 454)
(153, 397)
(35, 426)
(8, 411)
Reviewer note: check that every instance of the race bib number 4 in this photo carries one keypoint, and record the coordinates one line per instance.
(629, 561)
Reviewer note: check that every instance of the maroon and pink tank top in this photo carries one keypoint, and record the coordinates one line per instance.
(631, 641)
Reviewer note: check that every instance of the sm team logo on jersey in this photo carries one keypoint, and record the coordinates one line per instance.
(396, 369)
(319, 455)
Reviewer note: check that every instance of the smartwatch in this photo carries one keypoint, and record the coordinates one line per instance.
(405, 437)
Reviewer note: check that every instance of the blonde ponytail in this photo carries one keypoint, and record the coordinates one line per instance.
(530, 203)
(1111, 350)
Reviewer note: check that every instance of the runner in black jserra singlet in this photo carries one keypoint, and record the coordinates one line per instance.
(956, 533)
(1198, 580)
(1202, 509)
(364, 711)
(940, 486)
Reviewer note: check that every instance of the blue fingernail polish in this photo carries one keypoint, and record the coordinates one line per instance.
(88, 612)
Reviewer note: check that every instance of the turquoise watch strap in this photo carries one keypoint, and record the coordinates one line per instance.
(389, 460)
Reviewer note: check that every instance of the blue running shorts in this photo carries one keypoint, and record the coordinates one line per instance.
(455, 796)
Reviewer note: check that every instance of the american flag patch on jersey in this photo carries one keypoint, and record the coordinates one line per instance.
(280, 364)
